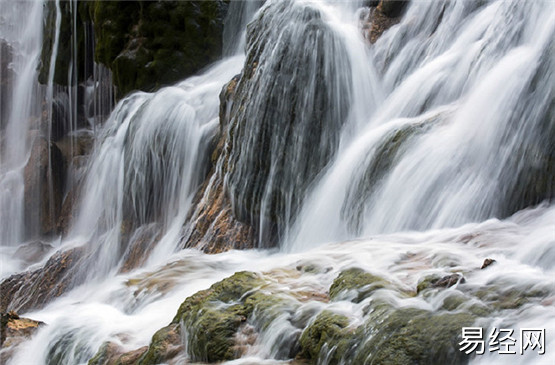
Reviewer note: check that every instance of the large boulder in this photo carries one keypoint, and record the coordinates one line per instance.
(284, 122)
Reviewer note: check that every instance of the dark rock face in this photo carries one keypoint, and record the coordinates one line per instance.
(44, 177)
(392, 8)
(70, 43)
(148, 44)
(6, 81)
(284, 122)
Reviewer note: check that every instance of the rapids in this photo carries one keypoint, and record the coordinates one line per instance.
(433, 151)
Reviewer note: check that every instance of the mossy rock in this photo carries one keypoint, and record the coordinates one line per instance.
(356, 279)
(511, 297)
(75, 38)
(328, 329)
(155, 43)
(413, 336)
(165, 344)
(393, 8)
(212, 317)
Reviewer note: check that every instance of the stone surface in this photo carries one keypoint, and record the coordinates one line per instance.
(34, 289)
(13, 331)
(44, 177)
(156, 43)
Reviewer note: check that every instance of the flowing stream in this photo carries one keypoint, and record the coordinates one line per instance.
(434, 145)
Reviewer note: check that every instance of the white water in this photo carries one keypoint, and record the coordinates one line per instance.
(24, 36)
(466, 80)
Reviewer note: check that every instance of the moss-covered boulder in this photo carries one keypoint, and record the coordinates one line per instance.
(212, 319)
(327, 330)
(148, 44)
(166, 343)
(413, 336)
(356, 280)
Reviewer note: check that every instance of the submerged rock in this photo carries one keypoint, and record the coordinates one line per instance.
(357, 280)
(32, 252)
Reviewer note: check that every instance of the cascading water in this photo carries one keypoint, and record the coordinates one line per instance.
(21, 39)
(426, 150)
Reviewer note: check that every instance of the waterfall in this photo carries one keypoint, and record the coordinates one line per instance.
(393, 185)
(21, 38)
(461, 105)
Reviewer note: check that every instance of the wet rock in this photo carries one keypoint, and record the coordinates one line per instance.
(270, 136)
(215, 320)
(44, 176)
(357, 280)
(150, 44)
(112, 354)
(382, 17)
(139, 245)
(413, 336)
(13, 331)
(32, 252)
(448, 281)
(377, 166)
(7, 75)
(504, 295)
(16, 329)
(81, 39)
(435, 281)
(392, 8)
(165, 345)
(213, 228)
(32, 290)
(487, 262)
(328, 329)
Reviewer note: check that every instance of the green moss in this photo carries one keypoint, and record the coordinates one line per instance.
(356, 279)
(328, 329)
(164, 344)
(74, 40)
(413, 336)
(101, 356)
(213, 316)
(151, 44)
(427, 282)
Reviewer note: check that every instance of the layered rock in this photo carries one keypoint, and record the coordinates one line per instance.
(34, 289)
